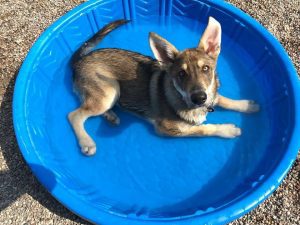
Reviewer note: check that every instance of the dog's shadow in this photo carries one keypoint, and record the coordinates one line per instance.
(106, 129)
(18, 179)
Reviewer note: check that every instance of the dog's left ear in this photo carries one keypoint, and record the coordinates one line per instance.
(163, 50)
(211, 38)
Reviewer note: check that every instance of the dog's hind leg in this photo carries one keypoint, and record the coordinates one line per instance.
(77, 119)
(94, 104)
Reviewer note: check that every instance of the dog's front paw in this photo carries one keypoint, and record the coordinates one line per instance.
(249, 106)
(228, 131)
(88, 147)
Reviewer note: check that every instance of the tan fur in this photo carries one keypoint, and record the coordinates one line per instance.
(184, 129)
(160, 91)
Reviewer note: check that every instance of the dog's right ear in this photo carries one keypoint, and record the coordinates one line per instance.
(163, 51)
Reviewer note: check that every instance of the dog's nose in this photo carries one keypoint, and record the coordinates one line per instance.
(198, 98)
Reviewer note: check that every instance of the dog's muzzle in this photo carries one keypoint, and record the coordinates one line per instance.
(198, 98)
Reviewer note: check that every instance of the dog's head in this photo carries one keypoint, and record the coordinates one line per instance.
(193, 71)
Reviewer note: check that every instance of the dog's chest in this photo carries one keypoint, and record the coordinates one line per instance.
(196, 116)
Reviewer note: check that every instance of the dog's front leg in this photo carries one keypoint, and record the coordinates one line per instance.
(183, 129)
(247, 106)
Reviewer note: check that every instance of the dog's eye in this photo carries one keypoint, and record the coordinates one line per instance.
(205, 68)
(181, 74)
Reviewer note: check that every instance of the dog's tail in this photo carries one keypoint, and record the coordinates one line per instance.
(89, 45)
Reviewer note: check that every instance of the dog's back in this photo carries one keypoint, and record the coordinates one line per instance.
(136, 82)
(128, 72)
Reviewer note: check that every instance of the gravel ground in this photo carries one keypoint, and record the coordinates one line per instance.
(23, 200)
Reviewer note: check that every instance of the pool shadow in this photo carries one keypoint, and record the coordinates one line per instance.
(18, 179)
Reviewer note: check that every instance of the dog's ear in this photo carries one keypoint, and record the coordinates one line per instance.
(163, 51)
(211, 38)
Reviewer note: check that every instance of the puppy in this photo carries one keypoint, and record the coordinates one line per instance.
(174, 92)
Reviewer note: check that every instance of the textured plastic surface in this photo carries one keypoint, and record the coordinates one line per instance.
(137, 177)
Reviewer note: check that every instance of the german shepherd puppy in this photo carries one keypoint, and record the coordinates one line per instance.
(174, 92)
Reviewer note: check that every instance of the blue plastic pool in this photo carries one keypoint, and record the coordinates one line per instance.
(137, 177)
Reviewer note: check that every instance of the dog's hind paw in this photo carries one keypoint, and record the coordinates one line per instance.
(88, 150)
(111, 117)
(88, 147)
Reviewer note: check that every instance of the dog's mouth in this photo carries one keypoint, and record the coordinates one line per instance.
(207, 108)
